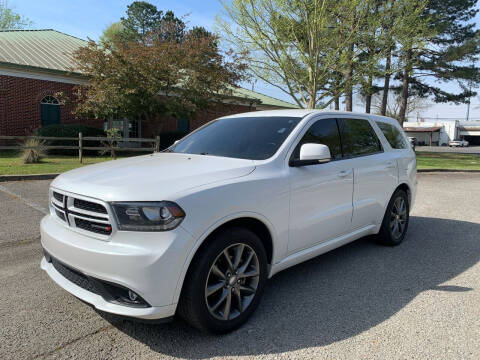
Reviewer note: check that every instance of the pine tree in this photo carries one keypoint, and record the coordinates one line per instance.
(447, 57)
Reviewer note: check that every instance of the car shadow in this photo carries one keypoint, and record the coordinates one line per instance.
(332, 297)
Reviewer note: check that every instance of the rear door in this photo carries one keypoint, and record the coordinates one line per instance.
(375, 170)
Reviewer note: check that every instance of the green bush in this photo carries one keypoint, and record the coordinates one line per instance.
(70, 130)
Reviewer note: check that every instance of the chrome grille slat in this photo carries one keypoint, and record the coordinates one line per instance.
(86, 215)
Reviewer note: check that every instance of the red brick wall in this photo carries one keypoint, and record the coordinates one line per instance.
(20, 108)
(20, 104)
(165, 125)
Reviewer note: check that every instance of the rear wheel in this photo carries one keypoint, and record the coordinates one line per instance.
(395, 222)
(225, 282)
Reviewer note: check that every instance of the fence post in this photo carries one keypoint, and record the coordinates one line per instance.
(80, 147)
(157, 143)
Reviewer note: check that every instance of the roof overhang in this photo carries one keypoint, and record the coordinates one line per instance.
(422, 129)
(32, 72)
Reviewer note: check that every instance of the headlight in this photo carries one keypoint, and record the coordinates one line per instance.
(147, 216)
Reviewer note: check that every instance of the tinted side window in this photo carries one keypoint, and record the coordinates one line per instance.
(322, 132)
(393, 135)
(358, 137)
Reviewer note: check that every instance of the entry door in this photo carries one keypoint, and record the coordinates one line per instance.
(321, 195)
(50, 114)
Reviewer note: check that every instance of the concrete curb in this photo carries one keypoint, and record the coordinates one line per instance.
(446, 171)
(4, 178)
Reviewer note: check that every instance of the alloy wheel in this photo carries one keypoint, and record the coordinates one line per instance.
(232, 282)
(398, 217)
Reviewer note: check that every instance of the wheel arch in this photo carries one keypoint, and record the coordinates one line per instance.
(406, 188)
(254, 222)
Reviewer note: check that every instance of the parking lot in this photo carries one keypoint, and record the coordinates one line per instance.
(363, 301)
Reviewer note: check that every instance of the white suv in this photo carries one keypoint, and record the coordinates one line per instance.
(199, 228)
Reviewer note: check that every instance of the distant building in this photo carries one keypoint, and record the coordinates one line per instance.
(439, 133)
(35, 66)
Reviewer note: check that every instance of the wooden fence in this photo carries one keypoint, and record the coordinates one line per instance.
(155, 144)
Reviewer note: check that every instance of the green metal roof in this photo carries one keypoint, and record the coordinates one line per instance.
(51, 50)
(264, 99)
(43, 49)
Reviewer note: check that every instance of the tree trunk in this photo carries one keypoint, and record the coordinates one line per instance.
(337, 103)
(348, 80)
(368, 94)
(386, 84)
(349, 88)
(368, 103)
(404, 95)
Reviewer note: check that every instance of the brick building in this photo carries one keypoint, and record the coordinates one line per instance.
(35, 66)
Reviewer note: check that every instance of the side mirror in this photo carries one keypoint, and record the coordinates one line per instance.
(312, 154)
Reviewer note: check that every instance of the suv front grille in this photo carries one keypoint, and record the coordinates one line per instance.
(89, 206)
(91, 216)
(93, 226)
(58, 196)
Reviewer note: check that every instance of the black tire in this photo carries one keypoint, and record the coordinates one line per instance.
(387, 235)
(193, 307)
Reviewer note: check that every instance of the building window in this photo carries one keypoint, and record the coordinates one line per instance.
(50, 110)
(133, 129)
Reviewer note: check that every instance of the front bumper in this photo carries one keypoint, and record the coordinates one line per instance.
(149, 264)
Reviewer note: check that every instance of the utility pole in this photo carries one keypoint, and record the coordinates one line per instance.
(469, 98)
(468, 107)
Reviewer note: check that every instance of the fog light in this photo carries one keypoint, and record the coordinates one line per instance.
(132, 296)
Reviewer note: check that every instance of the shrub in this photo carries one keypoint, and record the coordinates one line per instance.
(70, 130)
(113, 137)
(34, 150)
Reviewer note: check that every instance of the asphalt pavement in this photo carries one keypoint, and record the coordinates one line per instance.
(362, 301)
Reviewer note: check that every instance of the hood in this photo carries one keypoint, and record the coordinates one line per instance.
(152, 177)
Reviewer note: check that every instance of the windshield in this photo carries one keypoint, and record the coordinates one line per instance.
(254, 138)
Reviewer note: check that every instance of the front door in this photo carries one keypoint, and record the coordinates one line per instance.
(50, 111)
(321, 195)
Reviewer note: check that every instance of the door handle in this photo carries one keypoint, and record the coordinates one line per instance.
(391, 165)
(344, 173)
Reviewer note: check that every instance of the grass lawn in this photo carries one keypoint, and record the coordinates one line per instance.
(426, 160)
(11, 163)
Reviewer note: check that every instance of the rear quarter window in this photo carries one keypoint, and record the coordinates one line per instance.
(394, 136)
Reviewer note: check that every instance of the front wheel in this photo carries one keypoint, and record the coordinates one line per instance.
(225, 282)
(395, 222)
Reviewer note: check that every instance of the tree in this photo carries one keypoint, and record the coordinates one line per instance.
(415, 106)
(145, 19)
(10, 20)
(297, 46)
(113, 33)
(156, 76)
(452, 44)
